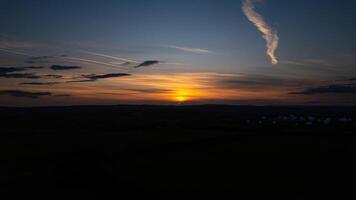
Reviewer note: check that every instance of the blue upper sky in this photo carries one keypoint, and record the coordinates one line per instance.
(316, 37)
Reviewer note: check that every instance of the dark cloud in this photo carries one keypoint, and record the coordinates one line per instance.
(104, 76)
(150, 90)
(64, 67)
(52, 76)
(95, 77)
(34, 67)
(351, 79)
(62, 95)
(24, 94)
(38, 59)
(40, 83)
(252, 82)
(148, 63)
(80, 81)
(5, 70)
(329, 89)
(20, 75)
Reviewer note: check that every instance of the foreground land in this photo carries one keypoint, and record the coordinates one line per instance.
(180, 152)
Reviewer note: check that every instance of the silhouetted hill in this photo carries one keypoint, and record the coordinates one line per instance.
(175, 152)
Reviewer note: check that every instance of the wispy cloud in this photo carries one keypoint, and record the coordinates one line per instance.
(14, 52)
(40, 83)
(40, 57)
(148, 63)
(105, 76)
(20, 75)
(268, 34)
(25, 94)
(7, 72)
(310, 62)
(329, 89)
(346, 86)
(64, 67)
(95, 77)
(191, 50)
(81, 60)
(112, 57)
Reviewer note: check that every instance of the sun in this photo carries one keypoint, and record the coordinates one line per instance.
(181, 96)
(181, 99)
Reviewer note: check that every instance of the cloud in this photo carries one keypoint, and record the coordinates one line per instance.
(254, 82)
(30, 62)
(148, 63)
(64, 67)
(34, 67)
(105, 76)
(20, 75)
(55, 76)
(351, 79)
(112, 57)
(329, 89)
(191, 50)
(81, 60)
(62, 95)
(268, 34)
(6, 70)
(150, 90)
(24, 94)
(40, 57)
(95, 77)
(40, 83)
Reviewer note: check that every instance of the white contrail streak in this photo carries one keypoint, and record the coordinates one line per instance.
(91, 61)
(108, 56)
(192, 50)
(268, 34)
(15, 52)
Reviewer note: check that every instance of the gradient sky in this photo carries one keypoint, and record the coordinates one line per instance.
(62, 52)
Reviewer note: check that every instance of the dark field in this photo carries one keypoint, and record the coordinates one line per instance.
(221, 152)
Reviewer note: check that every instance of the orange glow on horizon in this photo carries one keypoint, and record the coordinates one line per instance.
(167, 88)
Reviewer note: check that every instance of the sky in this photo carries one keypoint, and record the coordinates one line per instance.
(243, 52)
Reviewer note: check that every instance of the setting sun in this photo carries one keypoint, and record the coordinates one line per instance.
(181, 99)
(181, 96)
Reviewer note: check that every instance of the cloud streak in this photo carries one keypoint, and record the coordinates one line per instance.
(20, 75)
(108, 56)
(148, 63)
(40, 83)
(80, 60)
(63, 67)
(268, 34)
(95, 77)
(329, 89)
(24, 94)
(191, 50)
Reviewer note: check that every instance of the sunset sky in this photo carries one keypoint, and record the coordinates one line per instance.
(258, 52)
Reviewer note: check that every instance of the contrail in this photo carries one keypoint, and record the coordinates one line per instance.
(192, 50)
(108, 56)
(15, 52)
(268, 34)
(91, 61)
